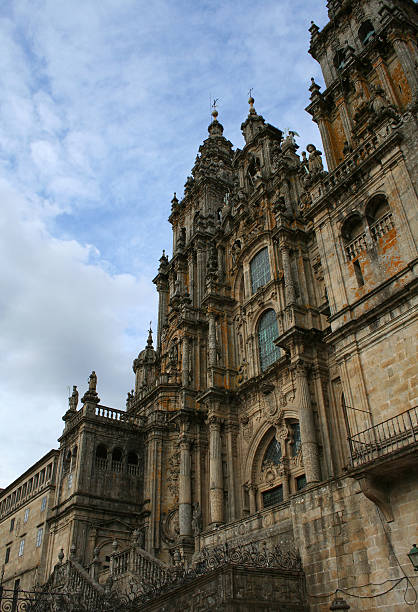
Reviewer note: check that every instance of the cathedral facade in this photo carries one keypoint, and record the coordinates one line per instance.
(274, 418)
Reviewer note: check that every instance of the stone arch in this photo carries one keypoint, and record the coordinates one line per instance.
(261, 437)
(352, 227)
(376, 207)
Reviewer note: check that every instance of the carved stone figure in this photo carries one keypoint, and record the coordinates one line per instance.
(315, 161)
(197, 519)
(73, 399)
(92, 382)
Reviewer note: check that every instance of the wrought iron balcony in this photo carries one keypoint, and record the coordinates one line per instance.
(386, 439)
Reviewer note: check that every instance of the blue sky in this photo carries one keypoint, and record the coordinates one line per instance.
(103, 105)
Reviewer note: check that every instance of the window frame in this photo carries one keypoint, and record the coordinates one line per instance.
(21, 548)
(264, 274)
(267, 358)
(39, 537)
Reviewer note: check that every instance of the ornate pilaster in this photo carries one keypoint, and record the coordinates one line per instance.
(201, 269)
(216, 490)
(212, 339)
(185, 362)
(185, 487)
(310, 452)
(288, 280)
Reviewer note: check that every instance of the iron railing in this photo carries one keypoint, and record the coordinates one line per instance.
(384, 438)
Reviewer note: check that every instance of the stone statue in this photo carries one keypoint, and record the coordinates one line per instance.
(93, 382)
(242, 372)
(73, 399)
(315, 161)
(304, 163)
(197, 519)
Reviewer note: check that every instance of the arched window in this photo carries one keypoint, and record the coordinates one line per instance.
(101, 457)
(273, 453)
(133, 463)
(101, 452)
(267, 333)
(339, 59)
(366, 32)
(67, 462)
(379, 217)
(117, 460)
(260, 270)
(132, 458)
(353, 233)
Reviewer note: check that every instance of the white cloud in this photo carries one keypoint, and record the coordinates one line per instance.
(103, 106)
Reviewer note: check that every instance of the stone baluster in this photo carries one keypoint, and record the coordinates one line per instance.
(310, 452)
(216, 490)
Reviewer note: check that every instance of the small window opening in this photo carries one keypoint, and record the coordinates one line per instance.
(300, 482)
(358, 273)
(339, 59)
(101, 452)
(117, 454)
(132, 458)
(366, 32)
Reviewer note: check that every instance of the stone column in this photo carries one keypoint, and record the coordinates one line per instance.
(192, 288)
(216, 490)
(185, 488)
(345, 119)
(325, 131)
(285, 478)
(307, 425)
(185, 362)
(252, 491)
(163, 289)
(289, 286)
(407, 61)
(201, 269)
(382, 72)
(212, 340)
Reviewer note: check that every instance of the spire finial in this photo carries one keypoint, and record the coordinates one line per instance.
(251, 102)
(215, 110)
(149, 341)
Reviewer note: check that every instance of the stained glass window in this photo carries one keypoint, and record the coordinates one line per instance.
(260, 270)
(273, 496)
(273, 452)
(267, 332)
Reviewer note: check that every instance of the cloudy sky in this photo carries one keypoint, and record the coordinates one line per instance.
(103, 105)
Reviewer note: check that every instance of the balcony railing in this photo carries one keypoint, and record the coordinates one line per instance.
(385, 438)
(382, 226)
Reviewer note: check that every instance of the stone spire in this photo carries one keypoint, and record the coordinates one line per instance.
(253, 124)
(215, 128)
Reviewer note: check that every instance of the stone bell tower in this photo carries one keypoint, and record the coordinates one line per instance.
(363, 213)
